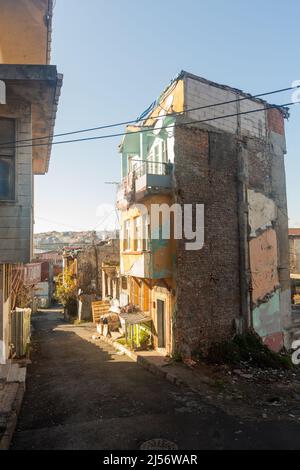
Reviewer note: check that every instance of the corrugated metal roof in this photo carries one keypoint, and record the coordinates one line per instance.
(294, 232)
(136, 317)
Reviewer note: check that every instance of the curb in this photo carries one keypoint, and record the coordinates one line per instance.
(13, 418)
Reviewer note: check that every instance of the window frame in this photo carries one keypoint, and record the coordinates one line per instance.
(126, 235)
(9, 156)
(137, 232)
(145, 233)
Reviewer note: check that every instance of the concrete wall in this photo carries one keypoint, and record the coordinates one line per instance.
(25, 31)
(199, 92)
(16, 217)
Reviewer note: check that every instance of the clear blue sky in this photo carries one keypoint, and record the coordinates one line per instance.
(118, 55)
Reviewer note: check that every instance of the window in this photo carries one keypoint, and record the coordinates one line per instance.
(134, 162)
(7, 160)
(137, 234)
(157, 158)
(126, 239)
(164, 151)
(124, 283)
(145, 233)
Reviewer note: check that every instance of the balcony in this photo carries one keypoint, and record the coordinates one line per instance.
(148, 178)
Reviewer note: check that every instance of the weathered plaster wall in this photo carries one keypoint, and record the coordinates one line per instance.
(158, 262)
(25, 32)
(262, 212)
(264, 265)
(268, 234)
(267, 321)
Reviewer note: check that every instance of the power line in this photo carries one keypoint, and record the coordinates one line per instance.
(120, 134)
(123, 123)
(60, 223)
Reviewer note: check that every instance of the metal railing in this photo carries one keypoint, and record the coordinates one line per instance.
(126, 188)
(153, 168)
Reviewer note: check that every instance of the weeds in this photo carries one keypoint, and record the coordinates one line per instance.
(247, 348)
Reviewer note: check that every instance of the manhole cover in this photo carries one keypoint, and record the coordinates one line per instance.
(159, 444)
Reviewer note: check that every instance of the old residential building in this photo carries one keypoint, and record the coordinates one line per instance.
(233, 165)
(32, 91)
(294, 238)
(93, 271)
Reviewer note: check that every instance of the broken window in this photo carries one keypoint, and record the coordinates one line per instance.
(7, 159)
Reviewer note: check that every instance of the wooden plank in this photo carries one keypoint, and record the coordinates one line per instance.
(100, 308)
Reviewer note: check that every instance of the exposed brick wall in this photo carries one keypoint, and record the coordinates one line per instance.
(207, 288)
(259, 166)
(275, 121)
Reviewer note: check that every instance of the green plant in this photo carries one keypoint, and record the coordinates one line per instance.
(249, 348)
(145, 338)
(176, 356)
(66, 292)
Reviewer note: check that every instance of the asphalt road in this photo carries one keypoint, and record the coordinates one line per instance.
(82, 396)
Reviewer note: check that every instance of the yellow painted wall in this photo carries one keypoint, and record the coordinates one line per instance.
(162, 257)
(177, 90)
(24, 31)
(139, 289)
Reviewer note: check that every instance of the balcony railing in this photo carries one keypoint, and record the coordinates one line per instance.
(153, 168)
(147, 175)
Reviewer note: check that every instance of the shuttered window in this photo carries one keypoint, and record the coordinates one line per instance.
(7, 159)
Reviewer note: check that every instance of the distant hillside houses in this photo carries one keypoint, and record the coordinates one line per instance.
(55, 240)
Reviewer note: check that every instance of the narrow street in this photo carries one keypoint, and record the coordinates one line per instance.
(80, 395)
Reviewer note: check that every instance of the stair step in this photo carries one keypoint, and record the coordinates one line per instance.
(13, 374)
